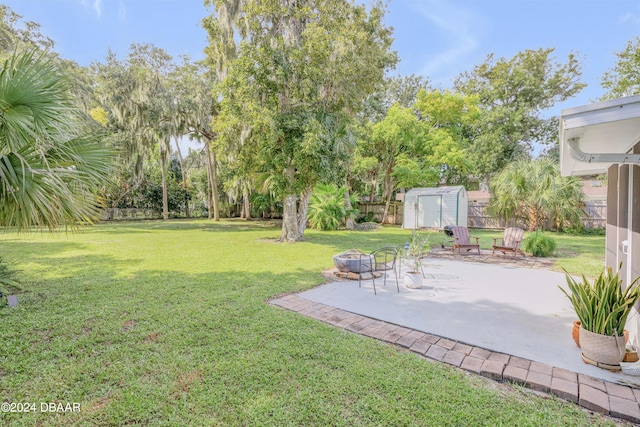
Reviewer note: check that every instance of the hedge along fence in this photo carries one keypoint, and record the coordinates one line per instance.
(394, 216)
(115, 214)
(478, 217)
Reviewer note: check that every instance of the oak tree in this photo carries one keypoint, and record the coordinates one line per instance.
(293, 72)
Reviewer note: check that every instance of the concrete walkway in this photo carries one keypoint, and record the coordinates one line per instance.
(500, 321)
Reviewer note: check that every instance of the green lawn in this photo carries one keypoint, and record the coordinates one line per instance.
(156, 323)
(577, 254)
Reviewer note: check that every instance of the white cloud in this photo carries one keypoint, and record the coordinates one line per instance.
(122, 12)
(633, 18)
(97, 6)
(458, 28)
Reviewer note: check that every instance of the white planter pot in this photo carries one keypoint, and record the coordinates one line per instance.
(413, 280)
(602, 348)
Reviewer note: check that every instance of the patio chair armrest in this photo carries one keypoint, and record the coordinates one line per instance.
(371, 262)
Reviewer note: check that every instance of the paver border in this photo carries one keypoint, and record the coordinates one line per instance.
(605, 397)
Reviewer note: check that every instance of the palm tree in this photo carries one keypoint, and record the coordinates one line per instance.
(535, 190)
(327, 207)
(51, 163)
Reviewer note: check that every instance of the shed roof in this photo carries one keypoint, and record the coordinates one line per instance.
(435, 190)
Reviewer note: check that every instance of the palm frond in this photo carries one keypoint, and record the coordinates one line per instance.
(50, 164)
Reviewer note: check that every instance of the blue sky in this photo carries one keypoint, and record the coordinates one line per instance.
(435, 38)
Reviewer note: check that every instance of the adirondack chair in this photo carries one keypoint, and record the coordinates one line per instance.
(462, 240)
(510, 241)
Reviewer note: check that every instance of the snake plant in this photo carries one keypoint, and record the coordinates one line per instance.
(602, 305)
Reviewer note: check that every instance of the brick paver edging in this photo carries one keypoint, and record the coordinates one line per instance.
(594, 394)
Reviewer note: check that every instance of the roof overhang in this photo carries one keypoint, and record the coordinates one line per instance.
(595, 136)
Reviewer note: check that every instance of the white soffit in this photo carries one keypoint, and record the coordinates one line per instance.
(609, 127)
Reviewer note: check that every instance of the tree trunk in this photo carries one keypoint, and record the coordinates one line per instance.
(290, 229)
(165, 198)
(533, 218)
(388, 192)
(214, 184)
(184, 179)
(386, 208)
(246, 205)
(350, 223)
(290, 226)
(121, 196)
(209, 176)
(302, 211)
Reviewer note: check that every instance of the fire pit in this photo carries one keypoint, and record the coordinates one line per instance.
(353, 261)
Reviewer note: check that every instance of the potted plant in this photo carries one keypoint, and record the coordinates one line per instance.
(602, 307)
(412, 255)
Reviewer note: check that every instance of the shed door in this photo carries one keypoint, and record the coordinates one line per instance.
(430, 211)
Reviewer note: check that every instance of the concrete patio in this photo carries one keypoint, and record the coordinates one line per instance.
(499, 320)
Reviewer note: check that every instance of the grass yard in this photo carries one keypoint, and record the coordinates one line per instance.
(167, 323)
(577, 254)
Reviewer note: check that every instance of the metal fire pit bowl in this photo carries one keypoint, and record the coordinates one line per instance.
(353, 261)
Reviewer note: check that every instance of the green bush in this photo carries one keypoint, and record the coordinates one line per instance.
(365, 218)
(539, 244)
(327, 210)
(582, 231)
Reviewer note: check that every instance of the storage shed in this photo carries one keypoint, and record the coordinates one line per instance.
(435, 207)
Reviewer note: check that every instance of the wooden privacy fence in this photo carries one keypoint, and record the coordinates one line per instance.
(115, 214)
(394, 216)
(478, 217)
(596, 214)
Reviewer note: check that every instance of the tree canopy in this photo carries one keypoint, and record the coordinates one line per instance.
(624, 78)
(293, 76)
(512, 94)
(295, 95)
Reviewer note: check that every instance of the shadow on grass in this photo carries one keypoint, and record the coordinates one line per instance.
(157, 346)
(184, 224)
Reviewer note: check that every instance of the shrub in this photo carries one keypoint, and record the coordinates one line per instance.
(327, 209)
(594, 231)
(539, 244)
(365, 218)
